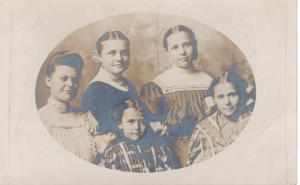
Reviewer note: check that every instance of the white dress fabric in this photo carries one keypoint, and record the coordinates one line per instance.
(73, 130)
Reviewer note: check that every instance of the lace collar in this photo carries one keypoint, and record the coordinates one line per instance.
(116, 81)
(177, 79)
(58, 106)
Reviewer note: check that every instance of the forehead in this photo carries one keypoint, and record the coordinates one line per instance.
(224, 88)
(130, 113)
(114, 45)
(178, 37)
(65, 70)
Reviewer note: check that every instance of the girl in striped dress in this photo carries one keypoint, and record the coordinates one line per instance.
(176, 97)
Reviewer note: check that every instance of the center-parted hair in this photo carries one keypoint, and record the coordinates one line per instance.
(239, 84)
(111, 35)
(120, 108)
(64, 58)
(182, 28)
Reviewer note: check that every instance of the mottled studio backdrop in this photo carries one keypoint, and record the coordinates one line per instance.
(148, 59)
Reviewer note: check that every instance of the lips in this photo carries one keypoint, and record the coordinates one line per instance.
(68, 91)
(118, 65)
(184, 59)
(228, 108)
(136, 133)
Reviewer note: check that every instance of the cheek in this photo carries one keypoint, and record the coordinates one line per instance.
(57, 86)
(235, 100)
(107, 61)
(219, 102)
(125, 58)
(189, 50)
(143, 127)
(173, 54)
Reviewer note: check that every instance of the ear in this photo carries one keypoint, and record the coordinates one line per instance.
(96, 58)
(48, 81)
(166, 50)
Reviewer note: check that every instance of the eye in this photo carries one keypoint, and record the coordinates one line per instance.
(76, 80)
(131, 121)
(112, 52)
(64, 78)
(187, 44)
(124, 52)
(234, 94)
(174, 47)
(221, 96)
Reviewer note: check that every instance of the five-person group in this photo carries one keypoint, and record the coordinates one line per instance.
(179, 118)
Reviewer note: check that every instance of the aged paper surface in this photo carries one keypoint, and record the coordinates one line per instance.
(263, 30)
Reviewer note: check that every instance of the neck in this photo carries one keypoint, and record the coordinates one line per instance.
(188, 69)
(61, 107)
(110, 76)
(233, 118)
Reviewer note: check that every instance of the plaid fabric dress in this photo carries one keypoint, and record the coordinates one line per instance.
(213, 134)
(127, 156)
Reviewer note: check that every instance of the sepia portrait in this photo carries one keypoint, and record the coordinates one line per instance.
(145, 92)
(135, 92)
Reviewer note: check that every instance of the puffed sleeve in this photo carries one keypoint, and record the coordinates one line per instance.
(195, 146)
(152, 96)
(95, 100)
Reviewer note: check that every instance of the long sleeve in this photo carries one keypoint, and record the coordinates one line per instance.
(97, 101)
(195, 147)
(152, 96)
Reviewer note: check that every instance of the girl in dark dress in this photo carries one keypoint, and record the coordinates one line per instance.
(109, 87)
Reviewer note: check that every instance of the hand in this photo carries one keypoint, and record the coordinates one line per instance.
(159, 128)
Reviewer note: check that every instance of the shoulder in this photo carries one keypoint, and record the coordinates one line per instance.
(244, 117)
(95, 90)
(151, 87)
(206, 77)
(43, 111)
(97, 85)
(164, 76)
(205, 124)
(115, 148)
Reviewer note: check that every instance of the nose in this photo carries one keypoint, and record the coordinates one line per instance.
(70, 82)
(118, 56)
(182, 51)
(136, 125)
(227, 100)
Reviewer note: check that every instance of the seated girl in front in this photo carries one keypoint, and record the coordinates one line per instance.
(217, 131)
(138, 148)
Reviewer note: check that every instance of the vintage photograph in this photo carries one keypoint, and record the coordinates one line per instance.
(145, 92)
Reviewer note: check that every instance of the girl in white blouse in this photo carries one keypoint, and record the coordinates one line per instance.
(75, 130)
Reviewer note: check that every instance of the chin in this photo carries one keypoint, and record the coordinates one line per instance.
(118, 71)
(135, 138)
(184, 66)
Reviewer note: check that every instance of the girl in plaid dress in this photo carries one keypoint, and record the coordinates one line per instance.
(138, 148)
(214, 133)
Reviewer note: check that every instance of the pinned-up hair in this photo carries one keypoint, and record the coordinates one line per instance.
(110, 35)
(64, 58)
(182, 28)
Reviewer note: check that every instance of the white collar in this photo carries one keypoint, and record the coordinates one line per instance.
(179, 79)
(58, 106)
(116, 81)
